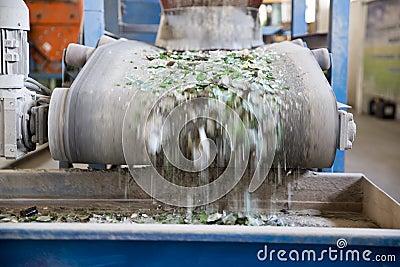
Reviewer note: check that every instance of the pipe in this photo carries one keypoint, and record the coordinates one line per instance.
(77, 55)
(36, 86)
(105, 39)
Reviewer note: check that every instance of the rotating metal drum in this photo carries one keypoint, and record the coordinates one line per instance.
(86, 121)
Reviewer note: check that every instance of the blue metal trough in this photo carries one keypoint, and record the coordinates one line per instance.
(93, 244)
(195, 245)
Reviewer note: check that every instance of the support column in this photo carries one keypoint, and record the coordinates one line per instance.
(93, 26)
(299, 25)
(338, 44)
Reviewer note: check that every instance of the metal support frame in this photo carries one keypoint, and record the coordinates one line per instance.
(299, 25)
(338, 44)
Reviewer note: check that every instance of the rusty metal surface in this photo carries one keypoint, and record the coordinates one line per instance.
(54, 24)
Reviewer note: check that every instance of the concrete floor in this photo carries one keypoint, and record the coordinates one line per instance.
(376, 153)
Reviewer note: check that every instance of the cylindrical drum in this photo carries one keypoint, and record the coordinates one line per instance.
(272, 103)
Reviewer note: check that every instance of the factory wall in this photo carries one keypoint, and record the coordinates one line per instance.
(322, 16)
(374, 53)
(356, 40)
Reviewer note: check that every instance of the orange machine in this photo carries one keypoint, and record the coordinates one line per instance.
(54, 24)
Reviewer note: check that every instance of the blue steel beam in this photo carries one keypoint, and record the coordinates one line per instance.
(299, 25)
(140, 20)
(93, 25)
(338, 44)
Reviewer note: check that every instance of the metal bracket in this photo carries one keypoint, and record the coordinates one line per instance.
(10, 131)
(39, 118)
(347, 130)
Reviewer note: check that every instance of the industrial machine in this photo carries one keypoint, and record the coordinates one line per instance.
(189, 125)
(290, 122)
(316, 120)
(24, 101)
